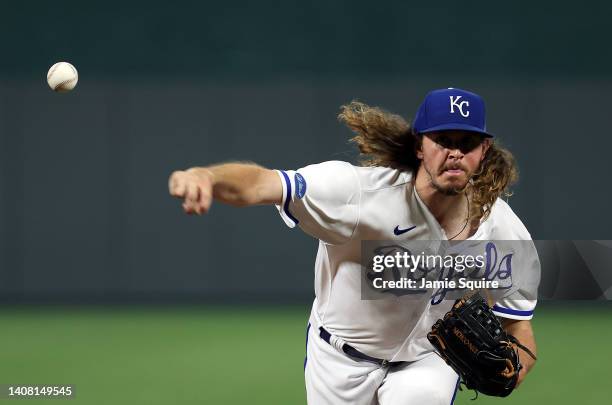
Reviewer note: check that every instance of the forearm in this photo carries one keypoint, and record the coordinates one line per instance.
(242, 184)
(523, 331)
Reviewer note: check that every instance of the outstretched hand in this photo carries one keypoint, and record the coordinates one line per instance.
(194, 187)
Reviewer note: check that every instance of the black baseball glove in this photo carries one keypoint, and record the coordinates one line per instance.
(472, 341)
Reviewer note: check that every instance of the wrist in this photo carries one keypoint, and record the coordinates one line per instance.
(204, 173)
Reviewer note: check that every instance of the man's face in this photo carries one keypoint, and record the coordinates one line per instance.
(450, 158)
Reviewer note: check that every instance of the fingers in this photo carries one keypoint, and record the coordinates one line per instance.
(205, 199)
(192, 193)
(196, 193)
(176, 185)
(192, 204)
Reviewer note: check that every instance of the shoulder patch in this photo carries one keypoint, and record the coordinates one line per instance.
(300, 185)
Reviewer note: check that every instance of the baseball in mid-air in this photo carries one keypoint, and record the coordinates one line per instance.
(62, 77)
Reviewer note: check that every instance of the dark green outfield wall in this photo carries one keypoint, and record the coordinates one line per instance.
(84, 212)
(265, 39)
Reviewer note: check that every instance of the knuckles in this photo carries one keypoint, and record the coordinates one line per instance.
(193, 190)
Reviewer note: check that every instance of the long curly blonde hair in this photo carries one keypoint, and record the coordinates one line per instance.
(386, 139)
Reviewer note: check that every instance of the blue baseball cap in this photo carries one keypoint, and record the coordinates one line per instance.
(451, 109)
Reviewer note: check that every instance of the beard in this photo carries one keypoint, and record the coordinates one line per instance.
(449, 190)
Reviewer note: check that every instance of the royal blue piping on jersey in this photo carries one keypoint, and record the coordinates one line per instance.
(509, 311)
(288, 198)
(456, 389)
(306, 357)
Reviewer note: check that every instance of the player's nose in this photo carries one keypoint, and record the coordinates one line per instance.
(455, 153)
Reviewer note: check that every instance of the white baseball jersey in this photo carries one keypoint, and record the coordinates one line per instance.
(341, 205)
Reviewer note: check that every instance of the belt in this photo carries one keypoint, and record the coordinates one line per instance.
(352, 352)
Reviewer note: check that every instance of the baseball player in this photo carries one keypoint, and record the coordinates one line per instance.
(440, 178)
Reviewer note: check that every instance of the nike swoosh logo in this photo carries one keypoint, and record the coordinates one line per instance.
(399, 231)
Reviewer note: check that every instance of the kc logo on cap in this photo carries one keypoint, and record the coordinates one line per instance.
(455, 103)
(451, 109)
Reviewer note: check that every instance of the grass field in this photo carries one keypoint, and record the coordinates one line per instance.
(249, 356)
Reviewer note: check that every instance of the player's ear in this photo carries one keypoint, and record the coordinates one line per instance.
(486, 144)
(418, 146)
